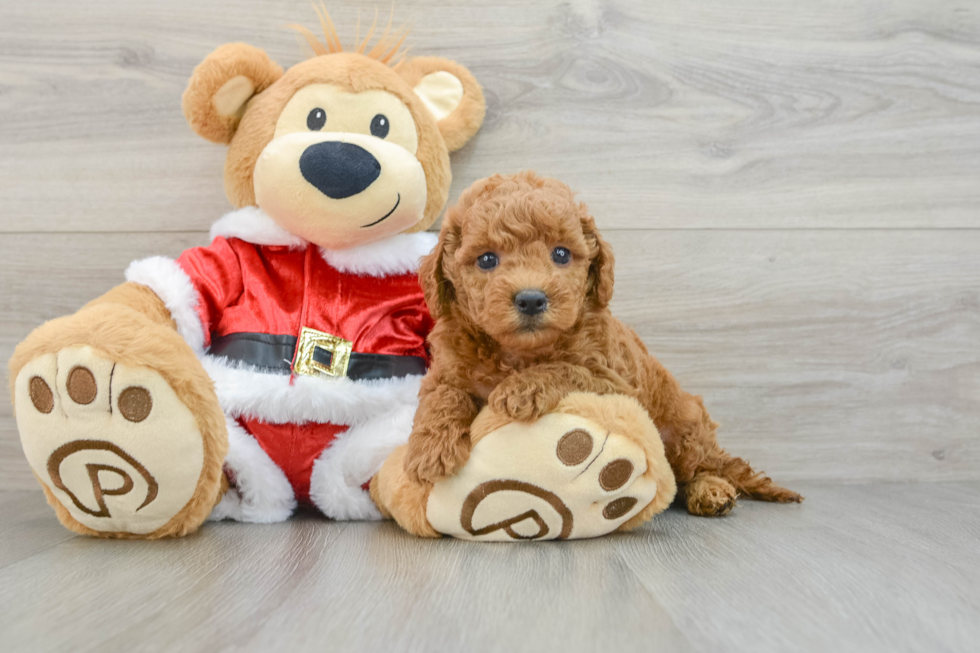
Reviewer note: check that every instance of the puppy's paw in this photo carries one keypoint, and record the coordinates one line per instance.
(523, 398)
(710, 496)
(429, 461)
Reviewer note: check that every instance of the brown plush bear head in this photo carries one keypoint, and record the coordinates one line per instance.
(344, 148)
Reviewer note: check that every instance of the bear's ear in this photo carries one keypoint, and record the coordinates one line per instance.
(450, 93)
(222, 85)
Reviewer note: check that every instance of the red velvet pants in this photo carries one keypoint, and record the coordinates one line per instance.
(294, 448)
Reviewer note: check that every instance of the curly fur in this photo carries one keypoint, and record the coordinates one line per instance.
(485, 352)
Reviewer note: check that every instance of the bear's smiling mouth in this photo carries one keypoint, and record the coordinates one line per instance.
(386, 215)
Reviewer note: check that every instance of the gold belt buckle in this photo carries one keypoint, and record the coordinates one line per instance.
(309, 341)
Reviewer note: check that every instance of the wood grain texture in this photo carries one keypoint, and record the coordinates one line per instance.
(824, 354)
(710, 115)
(855, 568)
(27, 527)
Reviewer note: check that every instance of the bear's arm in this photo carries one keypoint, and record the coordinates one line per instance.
(215, 272)
(423, 324)
(139, 298)
(188, 294)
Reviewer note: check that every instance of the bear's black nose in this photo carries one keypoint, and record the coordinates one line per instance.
(531, 302)
(339, 170)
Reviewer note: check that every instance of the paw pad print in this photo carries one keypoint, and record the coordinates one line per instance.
(575, 447)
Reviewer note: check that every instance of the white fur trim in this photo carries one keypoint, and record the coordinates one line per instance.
(253, 225)
(165, 277)
(396, 255)
(350, 462)
(261, 493)
(244, 391)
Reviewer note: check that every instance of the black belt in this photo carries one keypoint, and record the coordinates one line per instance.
(275, 353)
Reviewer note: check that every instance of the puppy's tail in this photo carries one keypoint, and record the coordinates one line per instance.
(755, 485)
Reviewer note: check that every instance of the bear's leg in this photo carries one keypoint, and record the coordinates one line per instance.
(594, 465)
(119, 422)
(353, 460)
(400, 498)
(261, 493)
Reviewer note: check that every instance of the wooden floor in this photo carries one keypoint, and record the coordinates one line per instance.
(888, 567)
(793, 193)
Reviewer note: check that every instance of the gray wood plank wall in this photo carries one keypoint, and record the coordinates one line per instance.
(792, 189)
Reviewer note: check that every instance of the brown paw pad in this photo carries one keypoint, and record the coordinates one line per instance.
(81, 385)
(618, 508)
(713, 506)
(574, 447)
(719, 509)
(614, 475)
(41, 395)
(135, 403)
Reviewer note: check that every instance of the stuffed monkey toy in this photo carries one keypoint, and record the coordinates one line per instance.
(281, 363)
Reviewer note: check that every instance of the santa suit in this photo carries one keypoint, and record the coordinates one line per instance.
(316, 356)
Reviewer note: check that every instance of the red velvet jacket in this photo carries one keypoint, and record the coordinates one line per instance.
(252, 288)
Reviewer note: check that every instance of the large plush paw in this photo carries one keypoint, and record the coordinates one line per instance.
(564, 476)
(112, 443)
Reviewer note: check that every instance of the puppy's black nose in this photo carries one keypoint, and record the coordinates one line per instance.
(339, 170)
(531, 302)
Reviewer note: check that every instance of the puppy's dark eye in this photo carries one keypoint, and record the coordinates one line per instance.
(316, 119)
(561, 256)
(487, 261)
(380, 125)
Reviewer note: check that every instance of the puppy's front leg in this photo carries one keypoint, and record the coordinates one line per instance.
(528, 394)
(440, 441)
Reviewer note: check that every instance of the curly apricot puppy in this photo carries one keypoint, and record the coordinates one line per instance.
(519, 284)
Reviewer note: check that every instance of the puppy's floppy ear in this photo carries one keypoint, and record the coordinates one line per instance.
(222, 84)
(439, 291)
(451, 94)
(600, 285)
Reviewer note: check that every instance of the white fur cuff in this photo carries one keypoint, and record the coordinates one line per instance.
(165, 277)
(352, 460)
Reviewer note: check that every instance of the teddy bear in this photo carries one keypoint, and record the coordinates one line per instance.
(280, 364)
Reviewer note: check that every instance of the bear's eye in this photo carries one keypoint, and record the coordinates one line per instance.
(561, 256)
(380, 125)
(487, 261)
(316, 119)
